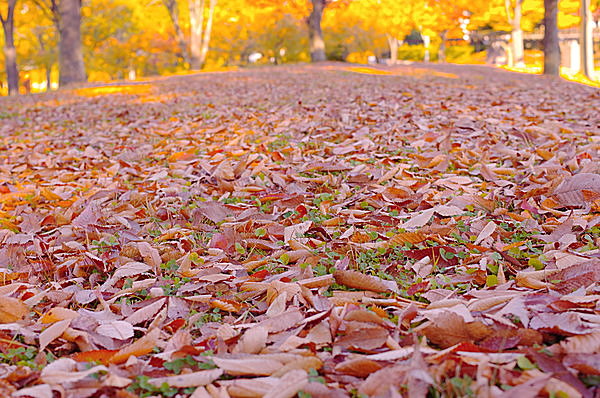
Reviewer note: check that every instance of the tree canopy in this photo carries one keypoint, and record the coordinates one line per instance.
(127, 38)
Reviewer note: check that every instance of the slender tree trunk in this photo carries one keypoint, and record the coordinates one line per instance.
(196, 26)
(70, 57)
(173, 10)
(47, 60)
(442, 49)
(207, 32)
(393, 43)
(516, 34)
(315, 33)
(48, 77)
(587, 41)
(551, 43)
(10, 53)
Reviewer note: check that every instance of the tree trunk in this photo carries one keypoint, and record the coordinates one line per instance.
(393, 43)
(10, 53)
(551, 43)
(207, 32)
(587, 41)
(48, 77)
(70, 57)
(315, 33)
(47, 60)
(442, 49)
(516, 35)
(196, 26)
(173, 10)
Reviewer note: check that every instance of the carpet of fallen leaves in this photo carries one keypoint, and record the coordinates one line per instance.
(321, 231)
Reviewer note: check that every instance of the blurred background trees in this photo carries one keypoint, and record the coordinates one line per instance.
(50, 42)
(7, 19)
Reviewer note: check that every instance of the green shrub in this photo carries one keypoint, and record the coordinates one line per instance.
(460, 53)
(416, 53)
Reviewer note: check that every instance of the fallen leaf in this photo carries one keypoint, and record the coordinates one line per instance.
(359, 280)
(570, 192)
(289, 385)
(120, 330)
(12, 309)
(193, 379)
(254, 366)
(140, 347)
(64, 370)
(53, 332)
(253, 340)
(452, 329)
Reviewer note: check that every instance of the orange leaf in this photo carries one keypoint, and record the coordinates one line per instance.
(513, 245)
(143, 346)
(101, 356)
(226, 305)
(360, 237)
(407, 237)
(546, 155)
(183, 155)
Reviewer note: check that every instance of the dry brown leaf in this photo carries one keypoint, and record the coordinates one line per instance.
(58, 314)
(289, 385)
(194, 379)
(120, 330)
(254, 366)
(359, 280)
(12, 309)
(583, 344)
(293, 231)
(570, 191)
(379, 382)
(535, 279)
(584, 363)
(528, 389)
(283, 321)
(452, 329)
(487, 303)
(303, 363)
(131, 268)
(359, 367)
(53, 332)
(407, 237)
(140, 347)
(146, 312)
(317, 281)
(39, 391)
(150, 254)
(418, 220)
(254, 387)
(486, 232)
(253, 340)
(562, 323)
(64, 370)
(362, 336)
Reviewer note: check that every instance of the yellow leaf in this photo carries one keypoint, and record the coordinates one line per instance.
(49, 195)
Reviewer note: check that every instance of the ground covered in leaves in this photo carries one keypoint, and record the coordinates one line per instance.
(321, 231)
